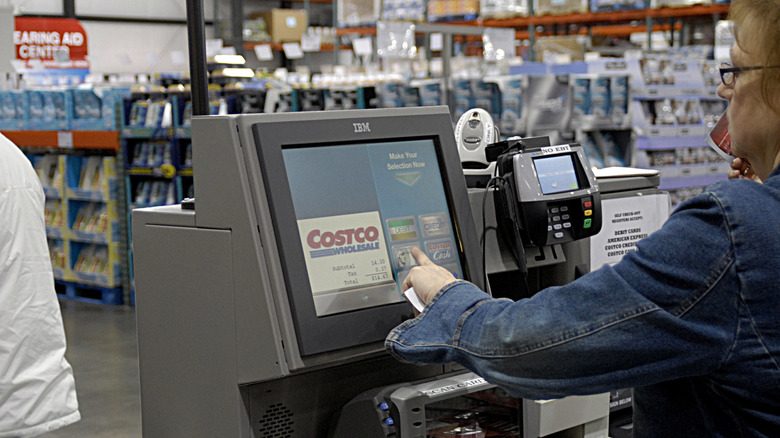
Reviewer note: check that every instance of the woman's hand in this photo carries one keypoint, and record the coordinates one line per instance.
(741, 168)
(427, 278)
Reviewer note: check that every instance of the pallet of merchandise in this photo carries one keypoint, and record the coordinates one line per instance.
(679, 3)
(503, 9)
(556, 7)
(452, 10)
(616, 5)
(89, 294)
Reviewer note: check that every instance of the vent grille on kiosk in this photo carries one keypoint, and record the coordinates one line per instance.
(276, 422)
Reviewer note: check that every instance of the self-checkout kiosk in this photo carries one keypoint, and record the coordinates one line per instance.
(263, 303)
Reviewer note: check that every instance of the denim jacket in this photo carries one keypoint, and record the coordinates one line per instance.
(691, 321)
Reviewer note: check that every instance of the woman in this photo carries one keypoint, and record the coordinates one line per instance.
(689, 320)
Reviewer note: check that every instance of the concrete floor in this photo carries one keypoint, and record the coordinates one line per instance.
(103, 350)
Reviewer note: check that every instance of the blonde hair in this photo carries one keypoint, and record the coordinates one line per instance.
(763, 18)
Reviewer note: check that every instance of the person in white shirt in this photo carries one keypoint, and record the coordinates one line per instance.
(37, 389)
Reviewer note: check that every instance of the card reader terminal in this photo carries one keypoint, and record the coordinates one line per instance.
(556, 193)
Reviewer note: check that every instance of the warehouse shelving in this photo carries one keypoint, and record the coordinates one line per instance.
(84, 210)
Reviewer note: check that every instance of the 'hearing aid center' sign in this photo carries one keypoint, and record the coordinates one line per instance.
(50, 43)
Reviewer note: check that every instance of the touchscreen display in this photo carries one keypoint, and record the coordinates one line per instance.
(360, 208)
(556, 174)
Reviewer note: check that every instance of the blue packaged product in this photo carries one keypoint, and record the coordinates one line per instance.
(511, 107)
(592, 152)
(600, 100)
(581, 96)
(36, 110)
(430, 94)
(7, 106)
(613, 156)
(619, 95)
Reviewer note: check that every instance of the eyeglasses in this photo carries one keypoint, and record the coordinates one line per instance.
(728, 73)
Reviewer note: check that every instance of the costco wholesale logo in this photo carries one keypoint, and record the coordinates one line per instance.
(329, 243)
(440, 251)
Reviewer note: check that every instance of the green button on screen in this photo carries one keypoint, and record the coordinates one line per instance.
(587, 223)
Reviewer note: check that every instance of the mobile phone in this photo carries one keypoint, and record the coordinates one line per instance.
(719, 138)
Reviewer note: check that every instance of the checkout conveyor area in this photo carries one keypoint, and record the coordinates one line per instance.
(262, 304)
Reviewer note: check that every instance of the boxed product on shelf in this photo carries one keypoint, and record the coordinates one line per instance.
(562, 48)
(148, 114)
(181, 108)
(340, 98)
(186, 161)
(592, 152)
(249, 100)
(548, 103)
(353, 13)
(389, 94)
(91, 178)
(14, 108)
(667, 77)
(600, 101)
(285, 25)
(256, 30)
(53, 215)
(677, 196)
(487, 96)
(58, 250)
(149, 193)
(150, 154)
(96, 108)
(613, 151)
(95, 222)
(409, 95)
(710, 71)
(310, 99)
(658, 118)
(511, 89)
(403, 10)
(462, 97)
(680, 117)
(689, 117)
(686, 163)
(50, 170)
(452, 10)
(607, 148)
(48, 109)
(95, 264)
(616, 5)
(560, 7)
(712, 110)
(503, 8)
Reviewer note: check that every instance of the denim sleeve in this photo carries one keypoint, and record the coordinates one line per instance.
(666, 311)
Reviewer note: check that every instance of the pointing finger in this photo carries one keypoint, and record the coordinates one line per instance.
(420, 257)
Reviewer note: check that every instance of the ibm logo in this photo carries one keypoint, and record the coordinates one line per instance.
(361, 127)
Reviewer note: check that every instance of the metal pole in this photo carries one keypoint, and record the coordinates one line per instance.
(237, 25)
(197, 47)
(531, 34)
(649, 26)
(69, 8)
